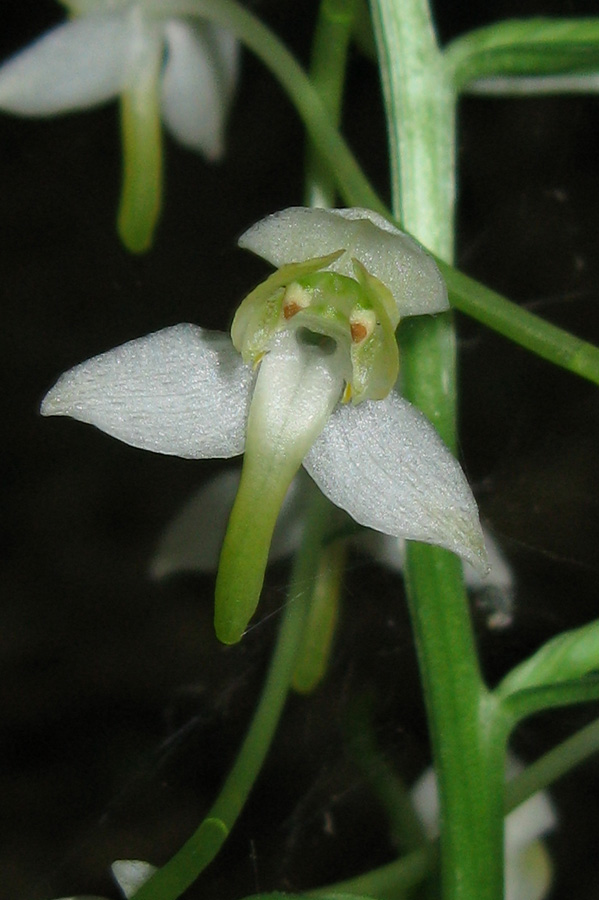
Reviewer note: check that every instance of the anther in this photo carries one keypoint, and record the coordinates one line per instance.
(296, 298)
(361, 324)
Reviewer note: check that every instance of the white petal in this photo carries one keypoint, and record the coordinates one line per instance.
(74, 66)
(425, 798)
(182, 391)
(396, 259)
(198, 83)
(131, 874)
(384, 463)
(193, 540)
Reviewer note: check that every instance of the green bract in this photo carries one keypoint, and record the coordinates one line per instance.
(318, 331)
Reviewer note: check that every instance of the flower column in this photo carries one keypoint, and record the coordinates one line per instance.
(468, 753)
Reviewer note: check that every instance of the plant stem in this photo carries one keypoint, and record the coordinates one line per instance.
(183, 868)
(552, 765)
(327, 73)
(521, 326)
(387, 882)
(467, 736)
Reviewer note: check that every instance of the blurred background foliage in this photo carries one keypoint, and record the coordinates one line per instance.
(119, 712)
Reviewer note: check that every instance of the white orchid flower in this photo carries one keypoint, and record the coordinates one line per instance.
(315, 333)
(174, 69)
(528, 868)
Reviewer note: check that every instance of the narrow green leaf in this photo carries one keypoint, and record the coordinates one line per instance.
(524, 703)
(536, 48)
(569, 656)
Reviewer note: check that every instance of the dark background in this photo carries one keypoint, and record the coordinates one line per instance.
(119, 712)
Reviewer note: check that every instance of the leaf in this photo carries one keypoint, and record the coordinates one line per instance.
(533, 48)
(567, 657)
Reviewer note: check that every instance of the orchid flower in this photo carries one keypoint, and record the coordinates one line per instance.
(160, 67)
(528, 867)
(307, 377)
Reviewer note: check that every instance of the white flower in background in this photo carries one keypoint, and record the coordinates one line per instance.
(182, 71)
(528, 869)
(315, 333)
(129, 874)
(493, 592)
(192, 540)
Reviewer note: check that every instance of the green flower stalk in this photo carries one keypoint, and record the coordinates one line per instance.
(308, 378)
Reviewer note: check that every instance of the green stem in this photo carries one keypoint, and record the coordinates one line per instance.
(552, 765)
(181, 871)
(521, 326)
(388, 882)
(467, 734)
(420, 104)
(327, 73)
